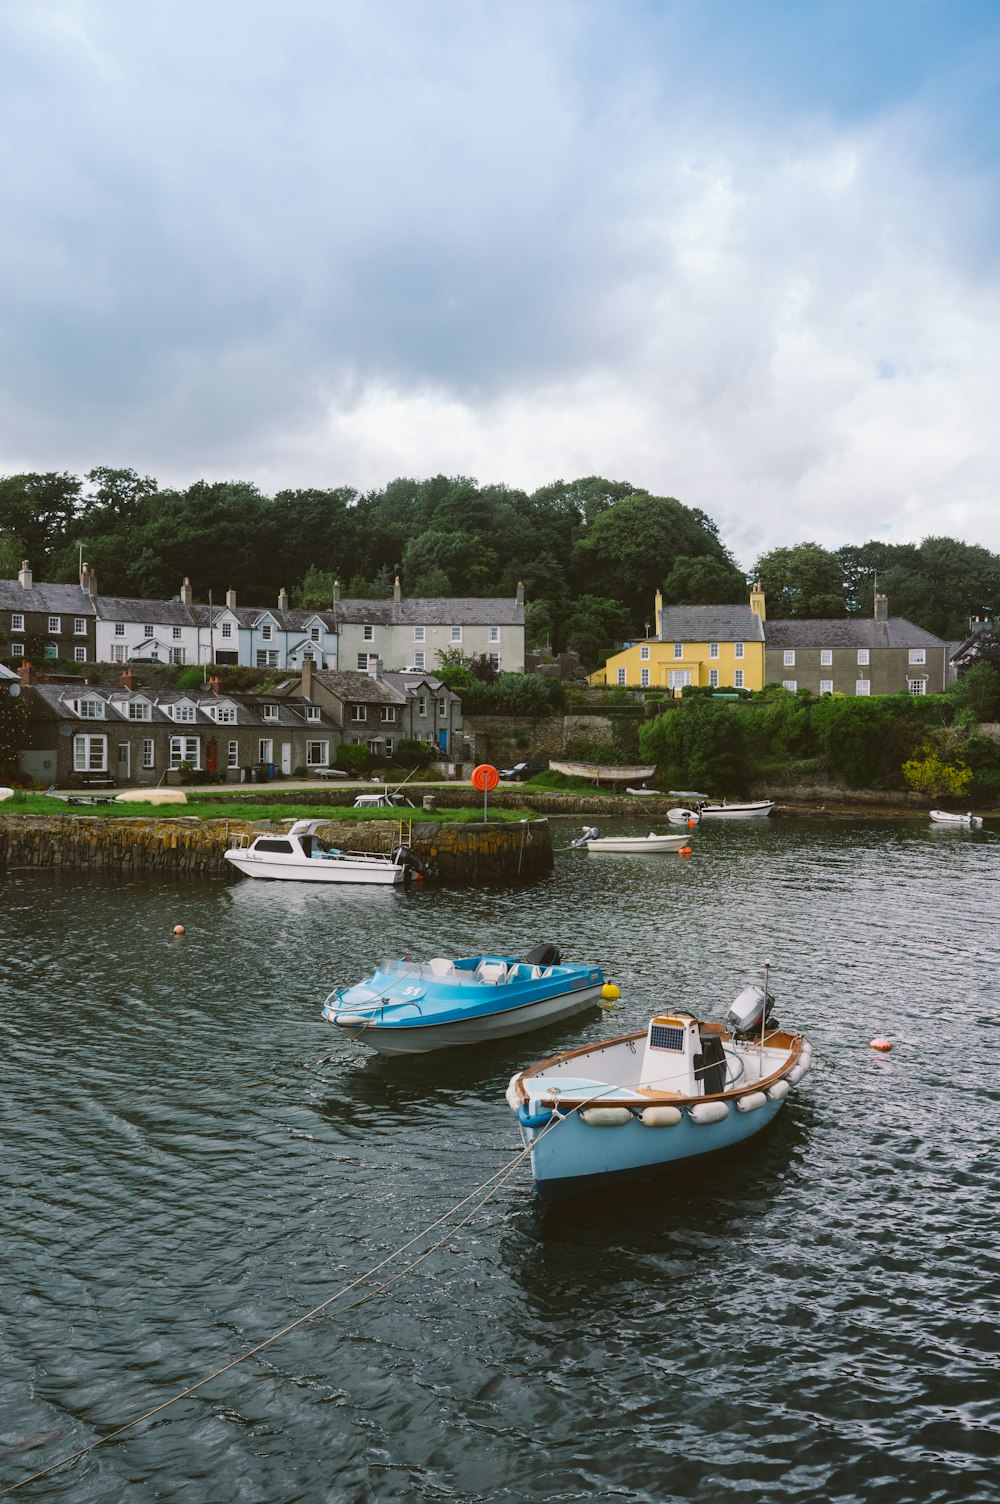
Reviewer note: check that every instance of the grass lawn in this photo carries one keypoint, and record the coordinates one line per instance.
(246, 809)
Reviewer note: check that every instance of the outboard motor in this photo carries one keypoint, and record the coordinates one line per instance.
(406, 857)
(589, 834)
(748, 1011)
(543, 955)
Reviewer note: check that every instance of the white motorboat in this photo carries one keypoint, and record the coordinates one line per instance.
(746, 811)
(967, 821)
(680, 1089)
(594, 841)
(689, 812)
(412, 1007)
(301, 855)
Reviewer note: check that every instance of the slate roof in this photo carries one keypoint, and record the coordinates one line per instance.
(54, 698)
(849, 632)
(710, 624)
(167, 613)
(61, 600)
(352, 684)
(433, 611)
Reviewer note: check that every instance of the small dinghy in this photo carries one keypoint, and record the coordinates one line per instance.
(594, 841)
(962, 822)
(411, 1007)
(628, 1107)
(688, 812)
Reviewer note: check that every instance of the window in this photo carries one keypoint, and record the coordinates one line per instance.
(318, 754)
(418, 661)
(139, 710)
(267, 657)
(80, 654)
(388, 713)
(363, 662)
(790, 684)
(184, 711)
(917, 686)
(862, 655)
(313, 712)
(494, 660)
(713, 678)
(359, 713)
(55, 625)
(789, 658)
(644, 677)
(233, 755)
(389, 744)
(419, 634)
(678, 650)
(17, 650)
(826, 657)
(147, 629)
(422, 705)
(368, 634)
(862, 686)
(738, 678)
(17, 621)
(265, 749)
(90, 754)
(826, 686)
(315, 633)
(119, 629)
(119, 652)
(918, 655)
(456, 634)
(225, 715)
(678, 677)
(644, 653)
(51, 651)
(621, 676)
(176, 655)
(91, 710)
(148, 752)
(443, 708)
(227, 629)
(175, 633)
(269, 712)
(266, 632)
(713, 650)
(737, 650)
(494, 634)
(80, 626)
(185, 749)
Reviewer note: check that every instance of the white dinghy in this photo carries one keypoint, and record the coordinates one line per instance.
(967, 821)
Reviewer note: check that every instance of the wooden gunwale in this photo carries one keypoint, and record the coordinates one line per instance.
(779, 1039)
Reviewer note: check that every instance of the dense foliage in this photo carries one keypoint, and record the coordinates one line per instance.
(591, 553)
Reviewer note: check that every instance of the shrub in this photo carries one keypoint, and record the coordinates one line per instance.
(354, 757)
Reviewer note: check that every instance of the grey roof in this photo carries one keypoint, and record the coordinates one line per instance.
(7, 673)
(849, 632)
(352, 684)
(470, 611)
(168, 613)
(409, 683)
(66, 600)
(710, 624)
(116, 700)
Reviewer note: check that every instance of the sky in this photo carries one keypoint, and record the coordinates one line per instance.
(739, 252)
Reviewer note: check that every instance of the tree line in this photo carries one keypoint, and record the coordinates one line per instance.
(591, 553)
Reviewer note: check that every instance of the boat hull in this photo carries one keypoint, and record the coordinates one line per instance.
(755, 810)
(956, 822)
(421, 1039)
(575, 1157)
(633, 844)
(335, 870)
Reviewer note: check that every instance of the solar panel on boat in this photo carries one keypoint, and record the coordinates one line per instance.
(666, 1037)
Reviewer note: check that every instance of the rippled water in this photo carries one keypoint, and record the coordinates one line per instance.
(191, 1161)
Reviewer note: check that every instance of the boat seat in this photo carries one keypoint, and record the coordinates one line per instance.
(492, 971)
(440, 966)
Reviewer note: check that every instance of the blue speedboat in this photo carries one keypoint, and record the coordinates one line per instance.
(410, 1007)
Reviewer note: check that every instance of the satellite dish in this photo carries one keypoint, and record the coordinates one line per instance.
(15, 690)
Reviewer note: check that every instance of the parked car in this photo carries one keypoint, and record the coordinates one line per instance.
(522, 770)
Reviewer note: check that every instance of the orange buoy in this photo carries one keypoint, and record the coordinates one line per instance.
(178, 929)
(684, 851)
(692, 824)
(880, 1043)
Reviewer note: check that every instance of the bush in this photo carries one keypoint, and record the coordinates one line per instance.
(354, 757)
(411, 753)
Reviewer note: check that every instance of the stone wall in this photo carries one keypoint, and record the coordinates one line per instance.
(190, 847)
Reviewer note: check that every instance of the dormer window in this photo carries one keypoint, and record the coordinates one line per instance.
(90, 709)
(266, 632)
(269, 712)
(313, 712)
(315, 634)
(227, 629)
(184, 711)
(139, 710)
(225, 715)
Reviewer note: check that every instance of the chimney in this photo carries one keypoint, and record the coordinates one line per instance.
(231, 600)
(24, 575)
(757, 601)
(186, 592)
(215, 684)
(657, 613)
(881, 608)
(282, 599)
(336, 592)
(127, 680)
(24, 672)
(397, 590)
(520, 592)
(307, 677)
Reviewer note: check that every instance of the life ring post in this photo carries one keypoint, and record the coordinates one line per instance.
(484, 778)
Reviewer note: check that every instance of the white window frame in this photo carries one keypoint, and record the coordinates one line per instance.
(17, 650)
(917, 686)
(119, 652)
(17, 621)
(317, 754)
(387, 715)
(644, 653)
(90, 708)
(826, 657)
(175, 633)
(184, 712)
(791, 685)
(267, 632)
(119, 629)
(918, 655)
(147, 629)
(140, 710)
(864, 656)
(90, 753)
(79, 654)
(359, 713)
(862, 686)
(737, 650)
(456, 634)
(419, 634)
(644, 678)
(313, 713)
(418, 661)
(713, 678)
(422, 705)
(622, 676)
(826, 686)
(713, 650)
(494, 661)
(788, 658)
(679, 678)
(233, 755)
(265, 749)
(225, 715)
(315, 634)
(367, 633)
(176, 655)
(55, 625)
(678, 650)
(148, 752)
(227, 629)
(494, 634)
(269, 713)
(79, 626)
(738, 678)
(443, 708)
(266, 657)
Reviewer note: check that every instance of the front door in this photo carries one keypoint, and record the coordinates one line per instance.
(286, 758)
(124, 762)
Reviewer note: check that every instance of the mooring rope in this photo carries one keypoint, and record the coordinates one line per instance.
(491, 1185)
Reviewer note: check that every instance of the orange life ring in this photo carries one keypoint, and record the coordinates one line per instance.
(485, 777)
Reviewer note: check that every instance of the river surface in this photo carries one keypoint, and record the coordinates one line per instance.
(192, 1161)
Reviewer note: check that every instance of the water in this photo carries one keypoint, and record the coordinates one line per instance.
(192, 1161)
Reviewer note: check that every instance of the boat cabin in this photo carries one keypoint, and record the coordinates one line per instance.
(682, 1056)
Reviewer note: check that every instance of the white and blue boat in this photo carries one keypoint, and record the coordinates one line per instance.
(411, 1007)
(629, 1107)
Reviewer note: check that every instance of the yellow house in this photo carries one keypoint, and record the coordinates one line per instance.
(711, 645)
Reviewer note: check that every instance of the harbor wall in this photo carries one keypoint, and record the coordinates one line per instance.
(189, 847)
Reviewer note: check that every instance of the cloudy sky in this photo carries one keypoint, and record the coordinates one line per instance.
(740, 252)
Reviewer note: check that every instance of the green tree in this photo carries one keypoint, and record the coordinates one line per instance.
(801, 582)
(704, 582)
(933, 774)
(700, 744)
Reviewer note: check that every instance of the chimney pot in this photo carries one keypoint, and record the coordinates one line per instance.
(397, 590)
(231, 600)
(24, 575)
